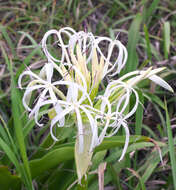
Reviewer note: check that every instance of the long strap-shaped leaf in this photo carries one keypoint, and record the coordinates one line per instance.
(18, 129)
(62, 154)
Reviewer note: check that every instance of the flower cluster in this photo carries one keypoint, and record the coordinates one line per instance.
(84, 62)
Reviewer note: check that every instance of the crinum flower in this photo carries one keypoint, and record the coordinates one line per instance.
(84, 61)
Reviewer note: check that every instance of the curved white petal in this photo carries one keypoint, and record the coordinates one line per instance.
(59, 110)
(44, 44)
(126, 141)
(49, 71)
(80, 130)
(94, 128)
(107, 119)
(58, 118)
(161, 82)
(123, 102)
(134, 107)
(28, 91)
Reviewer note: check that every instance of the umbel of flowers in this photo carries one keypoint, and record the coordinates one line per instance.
(85, 60)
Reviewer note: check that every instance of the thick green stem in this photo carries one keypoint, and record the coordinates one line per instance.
(83, 159)
(83, 185)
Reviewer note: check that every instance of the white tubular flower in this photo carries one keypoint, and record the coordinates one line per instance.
(83, 62)
(48, 89)
(111, 123)
(88, 43)
(37, 83)
(74, 104)
(40, 83)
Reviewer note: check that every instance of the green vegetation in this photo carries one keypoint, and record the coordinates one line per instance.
(29, 159)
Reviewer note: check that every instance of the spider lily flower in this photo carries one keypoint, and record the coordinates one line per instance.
(118, 92)
(112, 120)
(82, 65)
(87, 135)
(41, 83)
(88, 50)
(75, 104)
(48, 90)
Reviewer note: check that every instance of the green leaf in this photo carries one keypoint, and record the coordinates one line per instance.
(149, 53)
(10, 154)
(154, 98)
(166, 39)
(16, 113)
(62, 154)
(98, 158)
(4, 134)
(149, 11)
(138, 177)
(56, 176)
(118, 141)
(171, 146)
(139, 115)
(133, 37)
(51, 160)
(7, 38)
(121, 4)
(9, 181)
(150, 165)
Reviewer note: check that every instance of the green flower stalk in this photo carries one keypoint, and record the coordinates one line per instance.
(83, 64)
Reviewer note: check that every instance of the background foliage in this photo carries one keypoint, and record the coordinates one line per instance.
(28, 157)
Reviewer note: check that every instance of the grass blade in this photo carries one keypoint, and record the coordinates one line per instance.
(150, 165)
(7, 38)
(133, 37)
(166, 39)
(150, 10)
(139, 115)
(10, 154)
(18, 131)
(171, 146)
(149, 53)
(18, 124)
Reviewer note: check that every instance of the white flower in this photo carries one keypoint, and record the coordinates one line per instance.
(48, 90)
(40, 84)
(75, 104)
(84, 62)
(88, 43)
(112, 120)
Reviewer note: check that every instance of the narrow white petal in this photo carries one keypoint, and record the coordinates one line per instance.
(80, 130)
(126, 141)
(41, 98)
(103, 133)
(41, 102)
(116, 126)
(49, 71)
(94, 128)
(61, 115)
(161, 82)
(52, 95)
(30, 73)
(58, 118)
(83, 90)
(44, 44)
(28, 91)
(59, 110)
(126, 98)
(135, 106)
